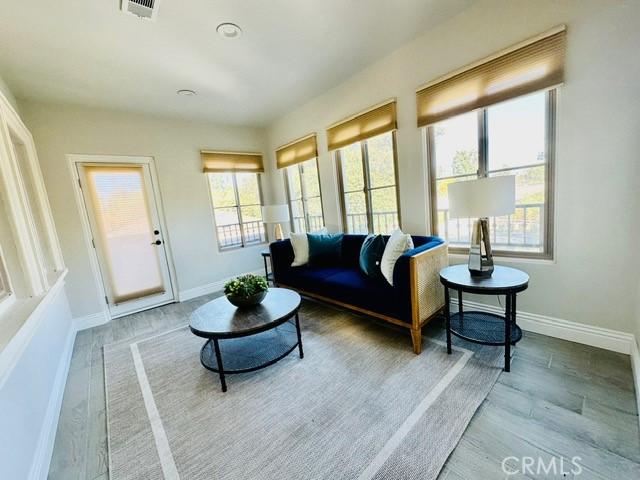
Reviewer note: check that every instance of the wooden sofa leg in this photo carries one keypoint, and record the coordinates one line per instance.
(416, 339)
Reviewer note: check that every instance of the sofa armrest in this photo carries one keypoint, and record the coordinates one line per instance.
(281, 259)
(427, 293)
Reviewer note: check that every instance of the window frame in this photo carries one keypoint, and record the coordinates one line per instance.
(238, 208)
(304, 197)
(364, 155)
(550, 144)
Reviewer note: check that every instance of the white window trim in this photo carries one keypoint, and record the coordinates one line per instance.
(21, 218)
(23, 310)
(549, 249)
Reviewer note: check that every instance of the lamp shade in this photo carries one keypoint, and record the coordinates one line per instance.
(485, 197)
(275, 213)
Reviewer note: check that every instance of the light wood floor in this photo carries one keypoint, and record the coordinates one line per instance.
(561, 399)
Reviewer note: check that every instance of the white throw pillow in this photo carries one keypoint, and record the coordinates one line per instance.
(300, 244)
(398, 244)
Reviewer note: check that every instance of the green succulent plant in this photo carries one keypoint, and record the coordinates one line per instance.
(245, 286)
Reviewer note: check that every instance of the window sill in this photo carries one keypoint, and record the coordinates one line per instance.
(464, 257)
(20, 321)
(240, 247)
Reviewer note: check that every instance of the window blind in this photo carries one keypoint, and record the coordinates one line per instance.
(297, 151)
(231, 162)
(533, 65)
(375, 121)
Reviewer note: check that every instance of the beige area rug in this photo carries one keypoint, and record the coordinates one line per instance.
(360, 405)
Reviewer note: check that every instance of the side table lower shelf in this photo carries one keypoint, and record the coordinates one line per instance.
(484, 328)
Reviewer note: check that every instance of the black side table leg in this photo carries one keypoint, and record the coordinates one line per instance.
(507, 335)
(447, 318)
(513, 312)
(216, 346)
(299, 336)
(460, 310)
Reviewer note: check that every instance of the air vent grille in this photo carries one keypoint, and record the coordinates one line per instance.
(141, 8)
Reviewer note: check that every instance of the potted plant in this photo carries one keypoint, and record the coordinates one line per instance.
(246, 290)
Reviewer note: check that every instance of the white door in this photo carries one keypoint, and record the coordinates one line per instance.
(122, 210)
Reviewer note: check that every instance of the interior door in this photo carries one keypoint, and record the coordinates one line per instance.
(126, 233)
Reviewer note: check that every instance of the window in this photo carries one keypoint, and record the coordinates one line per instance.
(303, 191)
(369, 187)
(237, 207)
(510, 138)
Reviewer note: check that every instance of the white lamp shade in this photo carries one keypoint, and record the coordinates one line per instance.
(485, 197)
(275, 213)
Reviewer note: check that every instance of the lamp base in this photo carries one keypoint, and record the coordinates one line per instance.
(278, 232)
(480, 265)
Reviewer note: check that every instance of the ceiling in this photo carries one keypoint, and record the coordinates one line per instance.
(88, 52)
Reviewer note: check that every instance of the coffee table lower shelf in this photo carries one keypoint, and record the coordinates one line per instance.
(483, 328)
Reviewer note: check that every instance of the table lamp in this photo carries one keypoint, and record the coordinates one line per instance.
(482, 198)
(276, 214)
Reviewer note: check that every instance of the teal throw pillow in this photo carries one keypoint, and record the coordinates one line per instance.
(325, 249)
(371, 256)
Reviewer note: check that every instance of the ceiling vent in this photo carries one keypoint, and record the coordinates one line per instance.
(141, 8)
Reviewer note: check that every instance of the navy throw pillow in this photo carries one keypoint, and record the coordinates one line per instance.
(371, 255)
(325, 249)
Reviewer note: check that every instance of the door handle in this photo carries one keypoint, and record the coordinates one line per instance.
(157, 242)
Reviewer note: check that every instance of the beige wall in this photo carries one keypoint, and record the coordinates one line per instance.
(4, 90)
(593, 278)
(60, 130)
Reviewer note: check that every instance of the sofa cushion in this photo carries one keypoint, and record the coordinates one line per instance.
(353, 287)
(351, 245)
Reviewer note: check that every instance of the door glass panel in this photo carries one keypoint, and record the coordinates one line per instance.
(222, 191)
(381, 164)
(351, 160)
(516, 132)
(310, 178)
(356, 212)
(294, 182)
(314, 212)
(456, 145)
(122, 216)
(252, 224)
(248, 189)
(384, 208)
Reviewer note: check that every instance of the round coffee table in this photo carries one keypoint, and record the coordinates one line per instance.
(482, 327)
(247, 338)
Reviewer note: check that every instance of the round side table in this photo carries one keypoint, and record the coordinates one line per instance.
(482, 327)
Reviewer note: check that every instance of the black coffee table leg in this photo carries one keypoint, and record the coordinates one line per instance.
(216, 346)
(299, 336)
(507, 335)
(447, 318)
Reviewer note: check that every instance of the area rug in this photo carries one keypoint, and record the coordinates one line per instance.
(360, 405)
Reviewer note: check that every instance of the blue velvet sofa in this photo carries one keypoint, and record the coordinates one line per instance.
(415, 297)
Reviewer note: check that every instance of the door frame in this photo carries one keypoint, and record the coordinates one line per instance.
(73, 160)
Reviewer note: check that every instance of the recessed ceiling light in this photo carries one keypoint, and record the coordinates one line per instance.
(186, 93)
(229, 30)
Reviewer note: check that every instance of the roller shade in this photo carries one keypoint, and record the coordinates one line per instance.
(297, 151)
(536, 64)
(375, 121)
(231, 162)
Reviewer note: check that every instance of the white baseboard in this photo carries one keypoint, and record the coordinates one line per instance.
(216, 286)
(90, 321)
(44, 449)
(613, 340)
